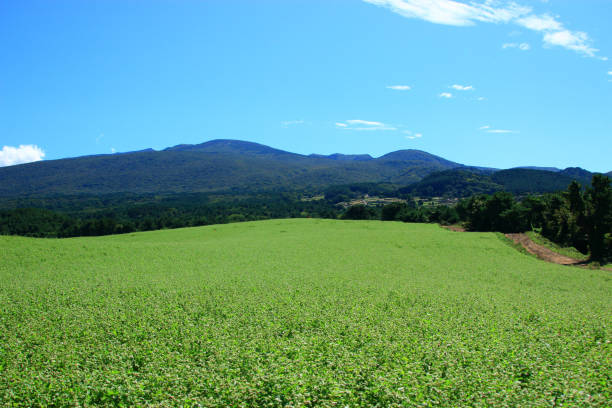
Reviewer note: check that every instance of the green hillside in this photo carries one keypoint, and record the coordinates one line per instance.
(234, 165)
(454, 183)
(464, 182)
(536, 181)
(299, 313)
(212, 166)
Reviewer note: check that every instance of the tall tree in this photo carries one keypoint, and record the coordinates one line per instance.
(599, 217)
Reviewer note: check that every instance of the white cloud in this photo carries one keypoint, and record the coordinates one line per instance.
(364, 122)
(457, 13)
(399, 87)
(451, 12)
(287, 123)
(10, 155)
(481, 98)
(411, 136)
(488, 129)
(609, 72)
(572, 40)
(359, 124)
(462, 87)
(540, 23)
(521, 46)
(446, 95)
(556, 34)
(113, 150)
(501, 131)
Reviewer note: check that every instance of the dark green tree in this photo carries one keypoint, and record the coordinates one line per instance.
(599, 217)
(358, 212)
(392, 212)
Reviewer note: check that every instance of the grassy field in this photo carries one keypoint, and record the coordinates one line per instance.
(299, 313)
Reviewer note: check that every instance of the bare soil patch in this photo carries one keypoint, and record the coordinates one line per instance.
(541, 251)
(453, 228)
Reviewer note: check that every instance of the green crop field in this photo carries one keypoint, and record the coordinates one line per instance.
(299, 313)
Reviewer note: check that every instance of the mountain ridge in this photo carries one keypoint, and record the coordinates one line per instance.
(214, 165)
(235, 165)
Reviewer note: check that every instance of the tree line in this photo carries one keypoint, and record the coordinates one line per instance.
(125, 214)
(576, 217)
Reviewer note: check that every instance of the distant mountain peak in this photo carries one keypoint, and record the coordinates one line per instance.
(553, 169)
(412, 155)
(578, 174)
(345, 157)
(231, 146)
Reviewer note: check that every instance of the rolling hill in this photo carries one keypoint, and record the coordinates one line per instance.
(299, 312)
(464, 182)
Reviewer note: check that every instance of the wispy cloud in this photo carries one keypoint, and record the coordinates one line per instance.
(458, 13)
(556, 34)
(446, 95)
(481, 98)
(540, 23)
(462, 87)
(364, 122)
(488, 129)
(10, 155)
(399, 87)
(412, 136)
(521, 46)
(572, 40)
(287, 123)
(113, 150)
(451, 12)
(361, 125)
(501, 131)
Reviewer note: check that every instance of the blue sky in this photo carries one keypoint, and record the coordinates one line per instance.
(487, 83)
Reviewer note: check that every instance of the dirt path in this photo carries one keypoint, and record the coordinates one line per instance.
(453, 228)
(541, 251)
(538, 250)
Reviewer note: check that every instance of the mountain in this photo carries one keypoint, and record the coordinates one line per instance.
(522, 181)
(235, 147)
(580, 175)
(217, 165)
(347, 157)
(454, 183)
(554, 169)
(466, 181)
(239, 166)
(415, 156)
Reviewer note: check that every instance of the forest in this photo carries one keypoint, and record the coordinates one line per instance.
(579, 216)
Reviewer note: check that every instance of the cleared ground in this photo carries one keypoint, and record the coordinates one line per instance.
(541, 251)
(299, 312)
